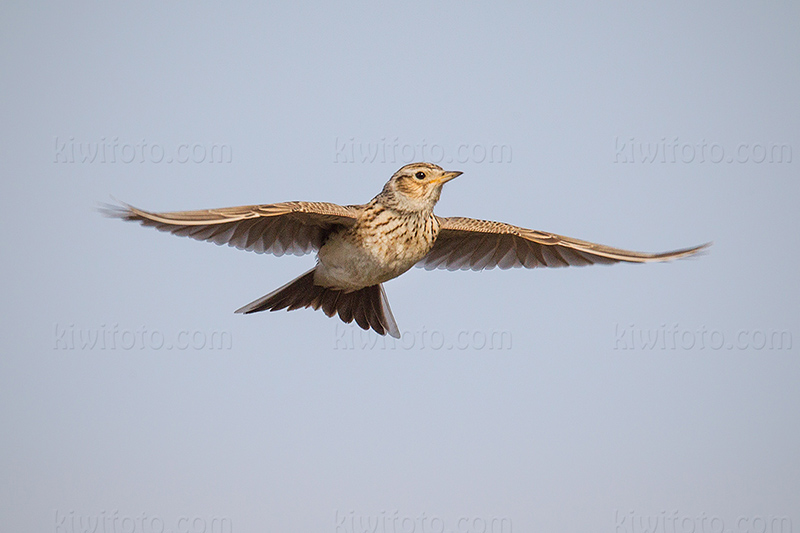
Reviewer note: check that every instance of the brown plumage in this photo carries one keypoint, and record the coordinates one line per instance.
(361, 246)
(368, 306)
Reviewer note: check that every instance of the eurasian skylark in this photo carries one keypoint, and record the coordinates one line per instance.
(361, 246)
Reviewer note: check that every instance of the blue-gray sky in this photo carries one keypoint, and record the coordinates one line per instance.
(582, 399)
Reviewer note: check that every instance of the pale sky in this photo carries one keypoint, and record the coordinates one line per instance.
(603, 399)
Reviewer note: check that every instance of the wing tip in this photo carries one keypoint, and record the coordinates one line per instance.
(116, 209)
(685, 253)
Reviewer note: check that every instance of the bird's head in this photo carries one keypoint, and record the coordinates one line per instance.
(416, 187)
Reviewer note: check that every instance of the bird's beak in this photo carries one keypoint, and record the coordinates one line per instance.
(447, 176)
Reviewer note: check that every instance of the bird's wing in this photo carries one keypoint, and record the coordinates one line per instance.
(467, 243)
(290, 227)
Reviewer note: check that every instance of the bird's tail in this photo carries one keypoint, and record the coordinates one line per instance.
(369, 306)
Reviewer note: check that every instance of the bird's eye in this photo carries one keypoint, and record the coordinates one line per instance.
(420, 175)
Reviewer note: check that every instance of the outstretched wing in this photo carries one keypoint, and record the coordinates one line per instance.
(467, 243)
(290, 227)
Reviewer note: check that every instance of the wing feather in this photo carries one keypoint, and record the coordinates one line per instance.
(465, 243)
(483, 254)
(502, 249)
(290, 227)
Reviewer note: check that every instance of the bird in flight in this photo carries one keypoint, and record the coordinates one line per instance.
(359, 247)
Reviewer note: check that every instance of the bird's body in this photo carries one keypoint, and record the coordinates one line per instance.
(382, 244)
(359, 247)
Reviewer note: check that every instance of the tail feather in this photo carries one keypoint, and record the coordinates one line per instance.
(345, 307)
(369, 306)
(328, 302)
(385, 312)
(360, 312)
(375, 306)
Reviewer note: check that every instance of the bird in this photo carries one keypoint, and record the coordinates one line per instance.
(360, 247)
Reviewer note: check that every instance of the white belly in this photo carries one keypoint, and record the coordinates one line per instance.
(352, 261)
